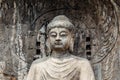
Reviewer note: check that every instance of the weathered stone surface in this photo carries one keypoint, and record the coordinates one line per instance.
(97, 36)
(61, 63)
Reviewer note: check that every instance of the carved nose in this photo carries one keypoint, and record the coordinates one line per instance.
(58, 38)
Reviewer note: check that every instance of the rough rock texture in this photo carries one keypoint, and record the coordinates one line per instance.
(23, 37)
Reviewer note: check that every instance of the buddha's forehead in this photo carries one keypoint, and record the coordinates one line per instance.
(59, 29)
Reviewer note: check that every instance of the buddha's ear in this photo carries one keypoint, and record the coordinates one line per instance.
(73, 36)
(48, 46)
(71, 44)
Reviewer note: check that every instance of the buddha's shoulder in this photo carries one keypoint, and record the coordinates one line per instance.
(81, 60)
(39, 61)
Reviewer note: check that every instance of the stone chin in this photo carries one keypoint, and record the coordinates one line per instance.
(59, 47)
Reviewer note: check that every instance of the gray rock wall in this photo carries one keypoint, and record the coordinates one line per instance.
(23, 33)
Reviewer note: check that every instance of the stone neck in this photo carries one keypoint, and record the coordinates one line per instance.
(60, 54)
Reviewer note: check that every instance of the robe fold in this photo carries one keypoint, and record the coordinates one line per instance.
(68, 68)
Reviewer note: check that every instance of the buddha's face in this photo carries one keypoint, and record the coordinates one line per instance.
(59, 38)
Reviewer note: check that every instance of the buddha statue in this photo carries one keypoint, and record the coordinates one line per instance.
(61, 64)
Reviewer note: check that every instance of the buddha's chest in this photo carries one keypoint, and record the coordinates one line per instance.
(61, 71)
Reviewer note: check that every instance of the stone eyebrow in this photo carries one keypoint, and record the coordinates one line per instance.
(52, 32)
(63, 32)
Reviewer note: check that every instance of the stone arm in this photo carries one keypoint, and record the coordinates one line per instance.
(86, 72)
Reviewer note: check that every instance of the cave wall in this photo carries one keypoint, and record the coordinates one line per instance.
(23, 33)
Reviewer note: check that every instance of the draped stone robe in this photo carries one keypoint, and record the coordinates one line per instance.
(67, 68)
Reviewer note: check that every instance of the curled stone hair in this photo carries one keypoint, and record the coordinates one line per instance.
(60, 21)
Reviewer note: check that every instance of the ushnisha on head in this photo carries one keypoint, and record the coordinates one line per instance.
(61, 21)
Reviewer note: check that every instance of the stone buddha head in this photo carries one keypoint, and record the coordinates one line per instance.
(60, 32)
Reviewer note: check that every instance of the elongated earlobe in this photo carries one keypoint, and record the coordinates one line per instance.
(71, 45)
(48, 46)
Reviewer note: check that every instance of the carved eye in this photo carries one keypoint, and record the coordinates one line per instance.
(63, 34)
(53, 34)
